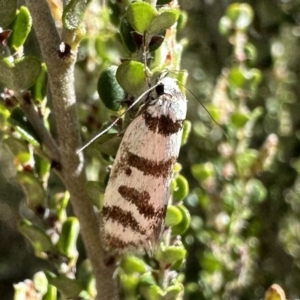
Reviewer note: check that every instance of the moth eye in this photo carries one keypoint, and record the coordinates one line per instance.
(160, 89)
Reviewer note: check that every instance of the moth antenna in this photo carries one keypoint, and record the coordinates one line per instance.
(204, 108)
(116, 121)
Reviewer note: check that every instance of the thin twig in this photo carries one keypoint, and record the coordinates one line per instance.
(36, 121)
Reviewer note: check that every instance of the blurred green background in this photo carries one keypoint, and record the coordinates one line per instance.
(244, 185)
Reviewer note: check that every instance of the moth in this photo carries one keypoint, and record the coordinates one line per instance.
(138, 190)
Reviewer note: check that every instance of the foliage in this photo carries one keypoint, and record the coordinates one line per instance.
(233, 218)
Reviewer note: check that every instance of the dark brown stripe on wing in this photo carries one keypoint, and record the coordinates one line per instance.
(116, 242)
(140, 199)
(125, 218)
(163, 125)
(149, 167)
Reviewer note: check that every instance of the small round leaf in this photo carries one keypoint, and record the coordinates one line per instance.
(73, 14)
(203, 171)
(173, 216)
(19, 149)
(173, 291)
(37, 237)
(69, 287)
(166, 18)
(170, 254)
(132, 264)
(21, 74)
(241, 14)
(185, 222)
(110, 91)
(19, 122)
(131, 76)
(140, 15)
(33, 188)
(182, 188)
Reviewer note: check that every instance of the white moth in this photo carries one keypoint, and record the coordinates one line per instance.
(138, 189)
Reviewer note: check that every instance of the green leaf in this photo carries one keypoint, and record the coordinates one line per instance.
(86, 276)
(211, 263)
(51, 293)
(176, 265)
(242, 78)
(73, 14)
(170, 254)
(33, 188)
(182, 20)
(125, 31)
(177, 168)
(255, 77)
(20, 123)
(147, 279)
(18, 148)
(173, 291)
(68, 237)
(157, 40)
(245, 160)
(237, 77)
(69, 287)
(185, 222)
(110, 91)
(140, 15)
(129, 283)
(22, 27)
(4, 114)
(166, 18)
(203, 171)
(20, 74)
(251, 53)
(38, 238)
(39, 89)
(149, 288)
(173, 216)
(131, 76)
(8, 10)
(225, 26)
(42, 167)
(187, 127)
(132, 264)
(256, 191)
(182, 188)
(241, 14)
(239, 119)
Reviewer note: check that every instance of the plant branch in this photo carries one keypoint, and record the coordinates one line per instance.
(36, 121)
(61, 80)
